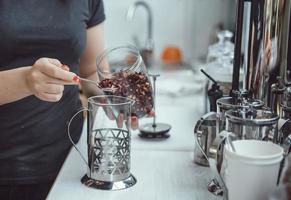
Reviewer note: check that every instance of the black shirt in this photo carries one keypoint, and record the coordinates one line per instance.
(33, 137)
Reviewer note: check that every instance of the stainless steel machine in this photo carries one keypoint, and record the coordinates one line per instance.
(254, 112)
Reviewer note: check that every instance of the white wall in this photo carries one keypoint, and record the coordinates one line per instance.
(188, 24)
(207, 15)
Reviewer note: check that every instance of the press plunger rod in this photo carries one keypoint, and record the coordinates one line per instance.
(237, 47)
(154, 93)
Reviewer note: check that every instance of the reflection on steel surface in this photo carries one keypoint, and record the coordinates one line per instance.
(267, 59)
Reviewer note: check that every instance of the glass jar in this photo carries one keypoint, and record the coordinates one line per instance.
(224, 46)
(122, 69)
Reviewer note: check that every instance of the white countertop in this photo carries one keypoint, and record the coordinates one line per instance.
(164, 169)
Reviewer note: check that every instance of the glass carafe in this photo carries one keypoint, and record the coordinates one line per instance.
(108, 142)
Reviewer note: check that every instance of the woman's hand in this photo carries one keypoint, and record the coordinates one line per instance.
(47, 77)
(133, 119)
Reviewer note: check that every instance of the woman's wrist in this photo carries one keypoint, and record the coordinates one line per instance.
(25, 71)
(13, 85)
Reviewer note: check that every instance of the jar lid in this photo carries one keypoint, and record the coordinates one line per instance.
(247, 116)
(227, 103)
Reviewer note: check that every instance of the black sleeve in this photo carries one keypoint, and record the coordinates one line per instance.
(96, 13)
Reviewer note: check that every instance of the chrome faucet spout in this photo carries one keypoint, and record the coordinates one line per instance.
(131, 13)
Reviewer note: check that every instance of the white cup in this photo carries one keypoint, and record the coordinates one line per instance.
(251, 172)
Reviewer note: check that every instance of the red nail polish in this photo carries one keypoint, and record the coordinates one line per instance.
(76, 79)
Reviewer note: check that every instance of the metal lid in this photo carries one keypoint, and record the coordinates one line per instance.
(228, 103)
(247, 116)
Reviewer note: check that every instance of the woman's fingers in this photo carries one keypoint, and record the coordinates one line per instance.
(119, 120)
(48, 77)
(134, 122)
(152, 113)
(53, 68)
(49, 97)
(51, 80)
(65, 67)
(51, 88)
(109, 113)
(48, 92)
(55, 62)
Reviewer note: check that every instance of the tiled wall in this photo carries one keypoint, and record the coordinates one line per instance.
(188, 24)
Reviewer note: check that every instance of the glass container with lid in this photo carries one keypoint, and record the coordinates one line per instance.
(227, 103)
(224, 46)
(250, 123)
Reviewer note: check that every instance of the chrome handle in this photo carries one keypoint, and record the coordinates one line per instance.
(69, 134)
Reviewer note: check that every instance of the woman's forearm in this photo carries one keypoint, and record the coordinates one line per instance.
(45, 79)
(13, 85)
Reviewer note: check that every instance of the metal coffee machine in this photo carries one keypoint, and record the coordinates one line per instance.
(265, 59)
(261, 110)
(207, 129)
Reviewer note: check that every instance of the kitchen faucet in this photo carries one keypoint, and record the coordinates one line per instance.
(147, 51)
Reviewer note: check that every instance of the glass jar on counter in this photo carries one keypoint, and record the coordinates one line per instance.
(224, 46)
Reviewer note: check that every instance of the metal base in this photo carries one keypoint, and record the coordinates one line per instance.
(159, 131)
(215, 188)
(103, 185)
(202, 161)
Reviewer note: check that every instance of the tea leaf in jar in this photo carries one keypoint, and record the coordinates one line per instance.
(134, 85)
